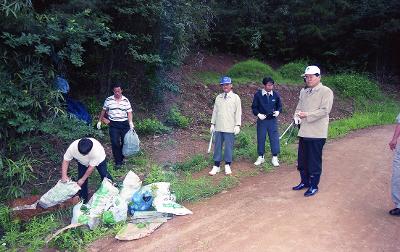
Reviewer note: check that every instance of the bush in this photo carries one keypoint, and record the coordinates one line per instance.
(354, 85)
(292, 71)
(151, 126)
(175, 118)
(250, 71)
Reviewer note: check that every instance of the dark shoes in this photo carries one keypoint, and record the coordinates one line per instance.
(299, 187)
(395, 212)
(310, 192)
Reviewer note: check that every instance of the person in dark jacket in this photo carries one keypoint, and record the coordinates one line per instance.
(267, 106)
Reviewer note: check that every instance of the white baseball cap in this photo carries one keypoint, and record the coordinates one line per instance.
(311, 70)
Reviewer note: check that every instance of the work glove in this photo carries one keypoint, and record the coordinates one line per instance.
(297, 120)
(99, 125)
(131, 125)
(212, 128)
(236, 130)
(275, 114)
(261, 116)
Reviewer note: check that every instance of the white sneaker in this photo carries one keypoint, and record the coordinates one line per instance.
(275, 161)
(259, 160)
(214, 170)
(228, 170)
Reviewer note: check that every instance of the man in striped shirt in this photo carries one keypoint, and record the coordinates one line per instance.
(119, 113)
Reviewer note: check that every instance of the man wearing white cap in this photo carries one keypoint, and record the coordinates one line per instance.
(312, 113)
(225, 123)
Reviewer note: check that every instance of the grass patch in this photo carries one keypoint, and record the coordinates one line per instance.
(250, 71)
(150, 127)
(291, 72)
(208, 77)
(194, 164)
(176, 119)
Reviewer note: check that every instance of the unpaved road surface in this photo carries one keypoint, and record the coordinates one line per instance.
(349, 213)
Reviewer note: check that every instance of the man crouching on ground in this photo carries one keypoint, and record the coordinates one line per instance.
(90, 154)
(225, 123)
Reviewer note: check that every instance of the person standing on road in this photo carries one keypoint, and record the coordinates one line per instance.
(225, 123)
(267, 106)
(396, 169)
(119, 112)
(312, 111)
(90, 154)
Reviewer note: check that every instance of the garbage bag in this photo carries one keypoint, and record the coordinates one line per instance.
(117, 212)
(62, 85)
(131, 143)
(131, 184)
(59, 193)
(141, 201)
(102, 198)
(79, 110)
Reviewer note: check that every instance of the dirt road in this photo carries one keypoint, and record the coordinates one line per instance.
(349, 213)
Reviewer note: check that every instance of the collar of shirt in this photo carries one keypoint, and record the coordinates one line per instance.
(228, 95)
(314, 89)
(122, 98)
(264, 92)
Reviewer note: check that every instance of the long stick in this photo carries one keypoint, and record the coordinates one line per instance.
(286, 131)
(210, 144)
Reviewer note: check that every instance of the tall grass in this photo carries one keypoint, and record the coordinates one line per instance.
(250, 71)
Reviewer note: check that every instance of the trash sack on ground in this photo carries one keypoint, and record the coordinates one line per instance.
(141, 201)
(81, 215)
(164, 200)
(79, 110)
(131, 143)
(117, 212)
(102, 198)
(59, 193)
(131, 184)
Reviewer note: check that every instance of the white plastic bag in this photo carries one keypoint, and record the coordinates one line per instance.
(131, 143)
(102, 198)
(59, 193)
(117, 212)
(81, 215)
(131, 184)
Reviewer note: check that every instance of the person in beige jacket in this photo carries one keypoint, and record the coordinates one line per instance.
(225, 123)
(312, 113)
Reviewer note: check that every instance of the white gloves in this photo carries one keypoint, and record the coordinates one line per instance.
(131, 125)
(236, 130)
(297, 120)
(99, 125)
(212, 128)
(275, 114)
(261, 116)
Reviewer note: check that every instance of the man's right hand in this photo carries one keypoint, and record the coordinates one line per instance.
(261, 116)
(65, 179)
(212, 128)
(99, 125)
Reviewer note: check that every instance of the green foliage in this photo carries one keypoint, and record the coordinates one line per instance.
(292, 71)
(14, 175)
(176, 119)
(156, 174)
(250, 71)
(354, 86)
(194, 164)
(151, 126)
(69, 129)
(207, 77)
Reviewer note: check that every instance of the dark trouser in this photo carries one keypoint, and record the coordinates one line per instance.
(117, 132)
(220, 139)
(101, 168)
(309, 161)
(270, 127)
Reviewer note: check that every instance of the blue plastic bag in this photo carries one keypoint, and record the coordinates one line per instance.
(141, 201)
(79, 110)
(62, 85)
(131, 143)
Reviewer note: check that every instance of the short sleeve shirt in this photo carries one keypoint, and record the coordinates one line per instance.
(117, 111)
(95, 156)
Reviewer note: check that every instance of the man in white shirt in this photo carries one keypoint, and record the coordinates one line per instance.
(119, 112)
(225, 123)
(90, 154)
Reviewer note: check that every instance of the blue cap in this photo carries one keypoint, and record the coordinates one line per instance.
(225, 80)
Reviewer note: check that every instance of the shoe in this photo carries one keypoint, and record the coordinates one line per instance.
(214, 170)
(310, 192)
(395, 212)
(275, 161)
(228, 170)
(299, 187)
(259, 160)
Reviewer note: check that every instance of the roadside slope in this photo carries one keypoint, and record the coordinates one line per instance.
(264, 214)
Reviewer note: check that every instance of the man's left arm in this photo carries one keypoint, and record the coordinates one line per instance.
(238, 112)
(324, 108)
(278, 103)
(86, 175)
(130, 120)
